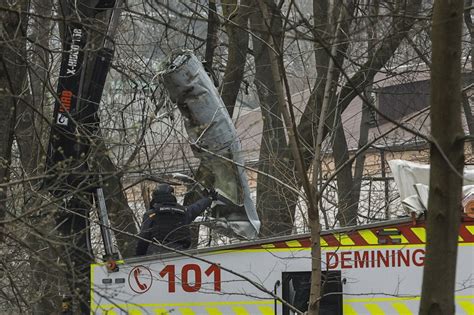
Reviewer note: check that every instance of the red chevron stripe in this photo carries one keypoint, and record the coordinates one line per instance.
(331, 240)
(409, 235)
(467, 236)
(358, 240)
(305, 242)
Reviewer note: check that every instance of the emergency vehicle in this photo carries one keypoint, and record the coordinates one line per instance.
(370, 269)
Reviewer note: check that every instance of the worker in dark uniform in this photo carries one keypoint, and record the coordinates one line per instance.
(168, 222)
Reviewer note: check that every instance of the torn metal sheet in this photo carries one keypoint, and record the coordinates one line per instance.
(213, 136)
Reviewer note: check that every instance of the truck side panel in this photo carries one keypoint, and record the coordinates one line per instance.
(379, 271)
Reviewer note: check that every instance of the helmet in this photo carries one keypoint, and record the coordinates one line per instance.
(163, 189)
(163, 193)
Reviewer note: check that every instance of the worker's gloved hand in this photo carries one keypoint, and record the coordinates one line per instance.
(213, 194)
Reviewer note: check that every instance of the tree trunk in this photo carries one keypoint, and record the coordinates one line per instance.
(446, 153)
(466, 103)
(74, 230)
(211, 38)
(30, 126)
(43, 254)
(327, 91)
(360, 159)
(121, 216)
(347, 209)
(326, 30)
(349, 186)
(366, 108)
(12, 80)
(236, 27)
(273, 199)
(29, 133)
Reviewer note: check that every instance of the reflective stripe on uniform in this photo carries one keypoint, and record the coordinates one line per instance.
(171, 209)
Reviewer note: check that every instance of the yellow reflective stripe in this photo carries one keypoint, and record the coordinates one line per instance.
(402, 309)
(470, 228)
(239, 310)
(369, 237)
(134, 312)
(323, 242)
(268, 246)
(344, 239)
(293, 243)
(374, 309)
(384, 299)
(347, 309)
(266, 310)
(92, 269)
(398, 299)
(187, 304)
(186, 311)
(213, 311)
(467, 306)
(109, 312)
(420, 232)
(161, 311)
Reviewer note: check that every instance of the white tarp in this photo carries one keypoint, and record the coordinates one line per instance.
(413, 180)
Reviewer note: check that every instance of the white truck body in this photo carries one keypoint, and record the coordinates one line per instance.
(373, 269)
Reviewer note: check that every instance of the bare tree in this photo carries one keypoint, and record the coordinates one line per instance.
(12, 83)
(447, 161)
